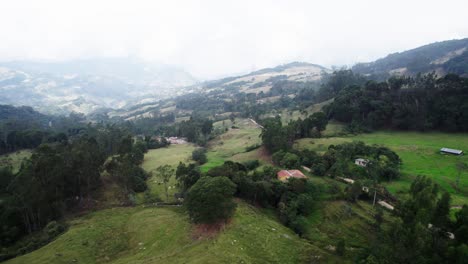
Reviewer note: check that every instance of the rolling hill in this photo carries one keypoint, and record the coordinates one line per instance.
(256, 82)
(444, 57)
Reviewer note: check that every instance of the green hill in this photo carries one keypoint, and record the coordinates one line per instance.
(164, 235)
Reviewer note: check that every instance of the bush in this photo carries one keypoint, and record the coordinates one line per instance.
(251, 164)
(53, 229)
(199, 155)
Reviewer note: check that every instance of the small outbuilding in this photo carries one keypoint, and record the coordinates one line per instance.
(361, 162)
(386, 205)
(451, 151)
(284, 175)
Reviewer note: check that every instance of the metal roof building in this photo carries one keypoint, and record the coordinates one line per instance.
(451, 151)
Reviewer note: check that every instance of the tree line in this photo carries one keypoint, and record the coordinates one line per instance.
(424, 102)
(62, 177)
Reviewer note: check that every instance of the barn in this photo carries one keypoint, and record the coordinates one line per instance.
(451, 151)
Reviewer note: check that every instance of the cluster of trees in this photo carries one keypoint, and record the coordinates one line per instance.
(383, 164)
(209, 197)
(55, 179)
(338, 161)
(277, 137)
(63, 176)
(28, 139)
(22, 127)
(423, 231)
(125, 169)
(420, 103)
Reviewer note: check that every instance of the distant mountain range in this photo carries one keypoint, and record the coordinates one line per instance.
(254, 82)
(128, 87)
(444, 57)
(87, 85)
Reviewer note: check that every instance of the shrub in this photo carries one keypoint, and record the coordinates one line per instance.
(199, 155)
(251, 164)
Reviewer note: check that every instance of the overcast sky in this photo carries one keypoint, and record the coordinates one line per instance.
(216, 38)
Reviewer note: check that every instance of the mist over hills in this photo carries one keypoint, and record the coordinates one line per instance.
(86, 85)
(122, 86)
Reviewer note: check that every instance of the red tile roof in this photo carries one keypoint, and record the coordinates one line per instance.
(283, 175)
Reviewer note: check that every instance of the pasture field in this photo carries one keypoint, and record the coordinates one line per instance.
(171, 155)
(232, 144)
(419, 153)
(164, 235)
(14, 159)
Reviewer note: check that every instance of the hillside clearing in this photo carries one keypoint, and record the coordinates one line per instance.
(232, 144)
(14, 159)
(171, 155)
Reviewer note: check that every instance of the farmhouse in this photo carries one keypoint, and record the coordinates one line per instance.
(451, 151)
(177, 140)
(284, 175)
(361, 162)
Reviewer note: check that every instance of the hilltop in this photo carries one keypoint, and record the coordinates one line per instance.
(443, 57)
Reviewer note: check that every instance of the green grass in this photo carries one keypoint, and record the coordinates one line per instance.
(419, 153)
(232, 143)
(319, 144)
(15, 159)
(164, 235)
(171, 155)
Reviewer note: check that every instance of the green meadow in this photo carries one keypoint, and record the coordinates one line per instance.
(164, 235)
(232, 144)
(171, 155)
(419, 153)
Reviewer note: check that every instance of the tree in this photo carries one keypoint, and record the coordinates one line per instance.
(441, 218)
(461, 167)
(187, 176)
(165, 173)
(319, 121)
(199, 155)
(354, 191)
(210, 200)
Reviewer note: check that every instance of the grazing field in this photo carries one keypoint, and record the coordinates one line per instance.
(164, 235)
(419, 153)
(14, 159)
(171, 155)
(232, 144)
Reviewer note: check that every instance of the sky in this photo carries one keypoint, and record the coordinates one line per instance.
(217, 38)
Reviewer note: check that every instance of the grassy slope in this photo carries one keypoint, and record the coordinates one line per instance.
(231, 145)
(171, 155)
(419, 153)
(14, 159)
(163, 235)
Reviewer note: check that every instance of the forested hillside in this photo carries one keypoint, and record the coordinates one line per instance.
(442, 57)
